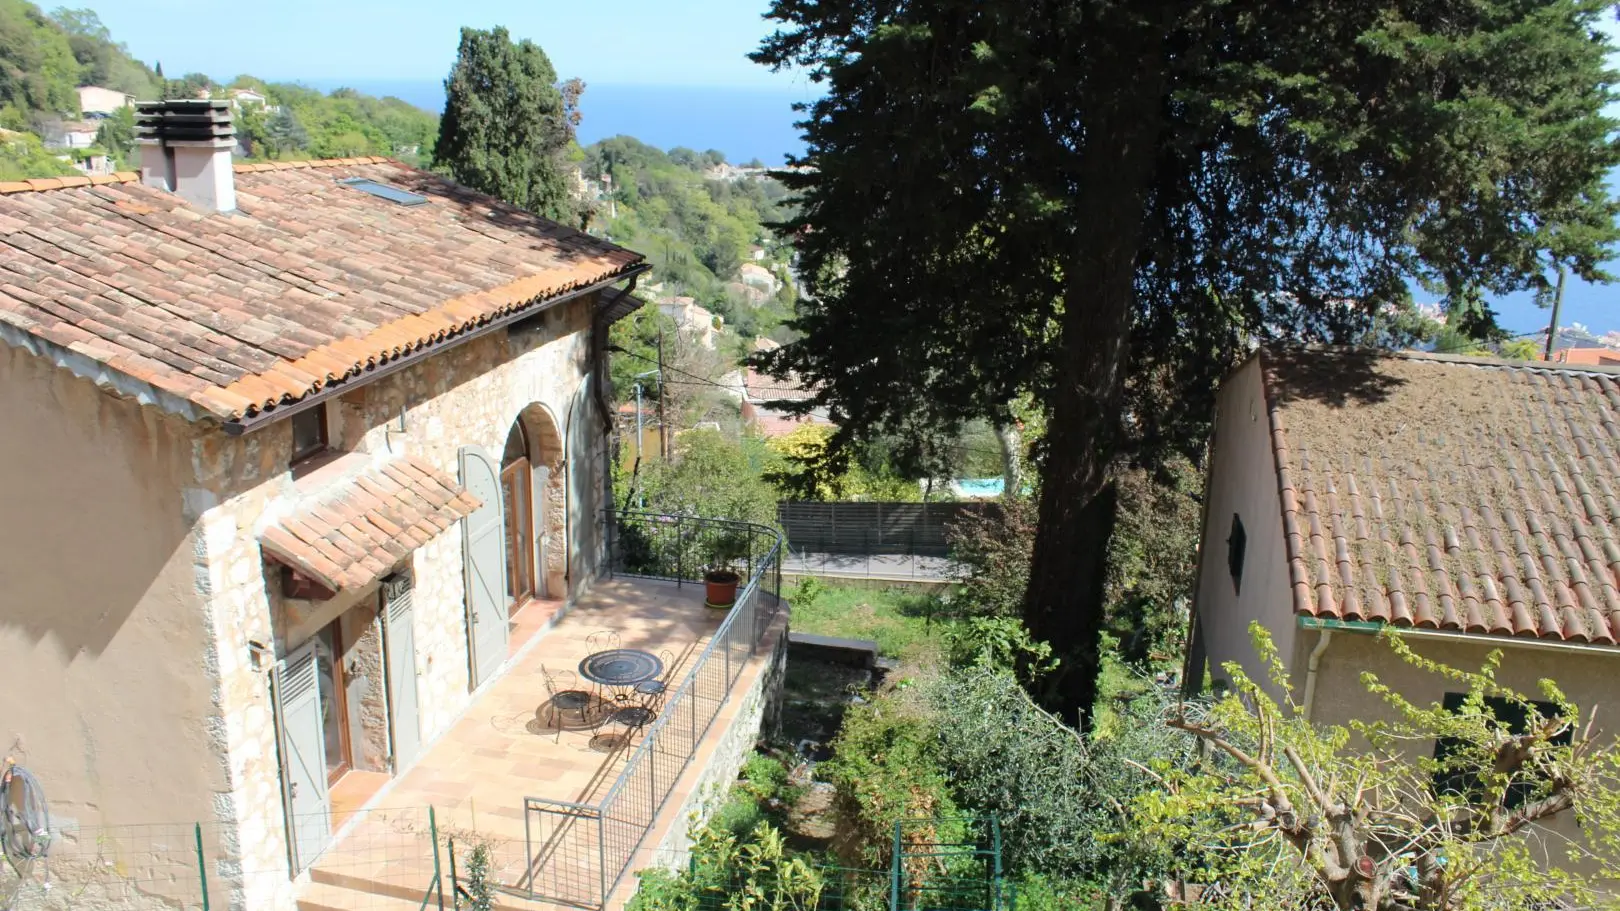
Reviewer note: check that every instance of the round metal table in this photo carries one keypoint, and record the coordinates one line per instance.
(621, 668)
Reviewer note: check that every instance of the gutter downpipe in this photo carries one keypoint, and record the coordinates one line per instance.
(1324, 635)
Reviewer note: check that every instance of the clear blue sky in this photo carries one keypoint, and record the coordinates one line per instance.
(640, 42)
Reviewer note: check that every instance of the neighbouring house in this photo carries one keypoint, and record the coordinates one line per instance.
(756, 253)
(287, 448)
(1605, 356)
(240, 97)
(71, 134)
(1471, 504)
(694, 322)
(96, 101)
(763, 398)
(759, 277)
(94, 165)
(749, 294)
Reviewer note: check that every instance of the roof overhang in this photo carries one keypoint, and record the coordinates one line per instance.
(1376, 628)
(355, 533)
(339, 387)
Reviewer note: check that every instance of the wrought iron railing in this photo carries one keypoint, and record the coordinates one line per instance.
(579, 852)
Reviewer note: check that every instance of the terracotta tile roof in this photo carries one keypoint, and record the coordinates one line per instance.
(762, 387)
(1450, 493)
(356, 534)
(309, 283)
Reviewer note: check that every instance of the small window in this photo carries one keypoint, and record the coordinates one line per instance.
(1514, 717)
(309, 432)
(384, 191)
(1236, 543)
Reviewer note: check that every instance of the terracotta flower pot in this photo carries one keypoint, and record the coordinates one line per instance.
(720, 587)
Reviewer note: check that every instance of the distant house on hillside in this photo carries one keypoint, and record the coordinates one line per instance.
(97, 102)
(692, 321)
(759, 277)
(1468, 503)
(756, 253)
(71, 134)
(1590, 357)
(240, 97)
(93, 165)
(753, 295)
(763, 400)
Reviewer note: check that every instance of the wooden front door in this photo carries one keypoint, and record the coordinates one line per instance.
(519, 518)
(329, 674)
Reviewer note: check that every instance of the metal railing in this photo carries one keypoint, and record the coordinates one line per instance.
(577, 853)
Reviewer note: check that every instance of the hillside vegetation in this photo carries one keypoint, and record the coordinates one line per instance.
(43, 58)
(697, 231)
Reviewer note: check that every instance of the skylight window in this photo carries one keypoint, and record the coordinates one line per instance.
(384, 191)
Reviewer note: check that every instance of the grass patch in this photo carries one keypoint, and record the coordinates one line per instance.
(905, 624)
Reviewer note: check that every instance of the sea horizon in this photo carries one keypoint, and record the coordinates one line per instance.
(743, 122)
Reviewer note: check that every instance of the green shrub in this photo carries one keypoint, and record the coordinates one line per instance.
(761, 794)
(806, 592)
(886, 768)
(755, 872)
(1061, 798)
(999, 643)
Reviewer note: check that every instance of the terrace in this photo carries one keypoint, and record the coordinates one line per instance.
(568, 813)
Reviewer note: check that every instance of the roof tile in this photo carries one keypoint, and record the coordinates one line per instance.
(352, 536)
(1455, 494)
(308, 283)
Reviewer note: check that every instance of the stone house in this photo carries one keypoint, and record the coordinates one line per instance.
(1471, 504)
(286, 449)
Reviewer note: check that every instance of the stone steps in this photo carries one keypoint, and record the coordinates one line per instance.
(316, 896)
(330, 891)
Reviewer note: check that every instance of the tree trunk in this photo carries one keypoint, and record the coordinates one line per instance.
(1064, 602)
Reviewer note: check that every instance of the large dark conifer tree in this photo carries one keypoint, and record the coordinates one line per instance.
(1103, 202)
(507, 123)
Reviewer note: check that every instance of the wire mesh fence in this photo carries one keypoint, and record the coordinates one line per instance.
(135, 867)
(370, 859)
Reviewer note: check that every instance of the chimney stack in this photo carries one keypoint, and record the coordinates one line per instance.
(186, 149)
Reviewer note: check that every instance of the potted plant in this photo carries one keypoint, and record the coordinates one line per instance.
(720, 579)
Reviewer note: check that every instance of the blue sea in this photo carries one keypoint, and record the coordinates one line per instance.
(749, 123)
(744, 123)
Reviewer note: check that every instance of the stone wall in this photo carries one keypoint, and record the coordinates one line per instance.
(364, 677)
(469, 395)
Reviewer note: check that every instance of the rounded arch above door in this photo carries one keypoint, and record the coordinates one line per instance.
(535, 449)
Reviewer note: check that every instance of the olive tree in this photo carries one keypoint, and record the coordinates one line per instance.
(1288, 814)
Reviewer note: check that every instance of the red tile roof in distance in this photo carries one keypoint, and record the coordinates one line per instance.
(310, 282)
(1456, 494)
(355, 534)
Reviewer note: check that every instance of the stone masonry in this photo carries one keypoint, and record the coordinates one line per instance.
(469, 395)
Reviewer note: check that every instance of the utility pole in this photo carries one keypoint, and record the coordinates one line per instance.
(1558, 303)
(663, 419)
(638, 422)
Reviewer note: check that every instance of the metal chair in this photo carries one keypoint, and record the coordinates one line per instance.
(633, 719)
(563, 695)
(602, 640)
(654, 692)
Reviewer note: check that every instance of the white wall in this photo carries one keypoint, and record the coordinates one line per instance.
(1243, 481)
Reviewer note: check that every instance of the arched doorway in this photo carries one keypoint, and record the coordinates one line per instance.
(534, 501)
(517, 499)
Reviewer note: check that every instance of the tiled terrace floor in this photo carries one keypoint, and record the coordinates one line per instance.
(499, 752)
